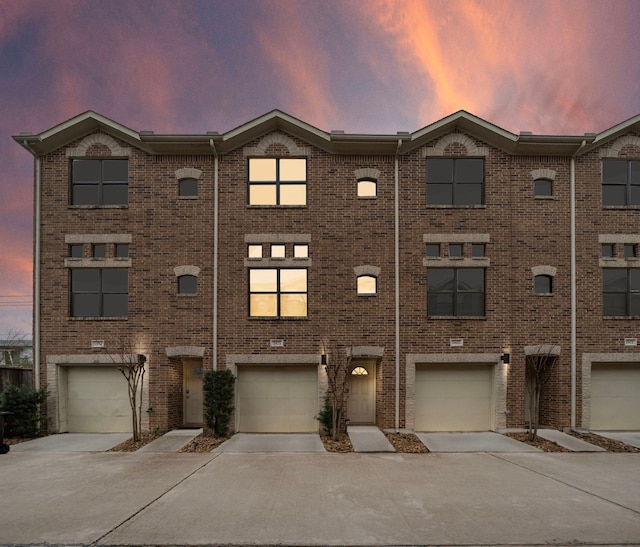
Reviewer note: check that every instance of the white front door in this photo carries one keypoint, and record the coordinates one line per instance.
(362, 393)
(192, 392)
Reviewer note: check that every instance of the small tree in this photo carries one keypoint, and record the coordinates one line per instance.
(28, 420)
(132, 366)
(13, 345)
(218, 400)
(538, 369)
(337, 368)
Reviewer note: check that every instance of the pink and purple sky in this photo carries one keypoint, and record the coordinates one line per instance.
(372, 66)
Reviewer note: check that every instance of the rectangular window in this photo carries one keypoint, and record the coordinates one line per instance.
(99, 292)
(275, 292)
(277, 181)
(255, 251)
(630, 250)
(99, 182)
(122, 250)
(455, 250)
(76, 250)
(620, 292)
(455, 292)
(478, 250)
(278, 251)
(455, 181)
(433, 250)
(301, 250)
(607, 250)
(99, 250)
(620, 182)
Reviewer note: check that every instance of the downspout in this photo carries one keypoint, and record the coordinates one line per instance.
(215, 254)
(397, 281)
(574, 318)
(36, 265)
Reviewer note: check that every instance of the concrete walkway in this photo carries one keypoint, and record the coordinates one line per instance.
(632, 438)
(483, 441)
(171, 441)
(73, 442)
(567, 441)
(368, 438)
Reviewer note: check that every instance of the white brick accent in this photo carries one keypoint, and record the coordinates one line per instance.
(98, 138)
(188, 173)
(614, 150)
(459, 138)
(367, 173)
(543, 174)
(276, 138)
(186, 270)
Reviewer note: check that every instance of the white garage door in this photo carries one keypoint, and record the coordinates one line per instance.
(97, 400)
(277, 399)
(454, 397)
(615, 397)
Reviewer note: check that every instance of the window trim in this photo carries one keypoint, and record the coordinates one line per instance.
(629, 293)
(455, 293)
(454, 183)
(277, 182)
(100, 293)
(100, 183)
(278, 293)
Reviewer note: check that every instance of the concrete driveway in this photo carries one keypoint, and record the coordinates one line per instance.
(319, 499)
(272, 442)
(73, 442)
(483, 441)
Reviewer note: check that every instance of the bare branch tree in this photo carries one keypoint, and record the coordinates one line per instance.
(337, 370)
(132, 366)
(13, 344)
(540, 363)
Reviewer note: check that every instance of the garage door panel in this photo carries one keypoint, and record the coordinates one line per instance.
(615, 397)
(453, 397)
(277, 399)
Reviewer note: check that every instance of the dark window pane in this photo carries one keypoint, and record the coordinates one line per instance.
(122, 250)
(634, 280)
(115, 305)
(115, 281)
(542, 187)
(634, 195)
(614, 305)
(629, 250)
(99, 250)
(439, 194)
(470, 304)
(614, 172)
(468, 194)
(440, 304)
(634, 304)
(433, 250)
(85, 281)
(76, 251)
(607, 250)
(85, 305)
(86, 194)
(188, 284)
(542, 284)
(440, 170)
(86, 170)
(115, 170)
(614, 280)
(478, 250)
(188, 187)
(471, 170)
(634, 176)
(115, 194)
(614, 195)
(455, 250)
(471, 279)
(440, 279)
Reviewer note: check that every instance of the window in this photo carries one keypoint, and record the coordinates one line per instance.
(620, 292)
(277, 181)
(278, 251)
(630, 250)
(187, 284)
(277, 292)
(455, 291)
(455, 181)
(99, 182)
(607, 250)
(620, 182)
(76, 250)
(433, 250)
(188, 187)
(455, 250)
(542, 188)
(367, 284)
(543, 284)
(255, 251)
(122, 250)
(367, 188)
(478, 250)
(99, 250)
(301, 250)
(99, 292)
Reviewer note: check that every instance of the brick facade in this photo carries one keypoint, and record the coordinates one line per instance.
(383, 235)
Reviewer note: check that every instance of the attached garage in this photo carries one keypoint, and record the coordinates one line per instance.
(97, 400)
(615, 396)
(277, 399)
(454, 397)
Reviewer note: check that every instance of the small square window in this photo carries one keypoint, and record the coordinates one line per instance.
(367, 284)
(99, 250)
(608, 250)
(278, 251)
(630, 250)
(455, 250)
(433, 250)
(188, 188)
(187, 284)
(367, 188)
(478, 250)
(76, 250)
(542, 188)
(301, 250)
(122, 250)
(542, 284)
(255, 251)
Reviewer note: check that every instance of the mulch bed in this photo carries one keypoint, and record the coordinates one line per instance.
(341, 444)
(539, 442)
(406, 443)
(203, 443)
(608, 444)
(130, 446)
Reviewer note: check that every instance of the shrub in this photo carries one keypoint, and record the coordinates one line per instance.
(218, 400)
(28, 420)
(325, 416)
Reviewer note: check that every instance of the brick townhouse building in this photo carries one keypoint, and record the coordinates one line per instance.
(436, 261)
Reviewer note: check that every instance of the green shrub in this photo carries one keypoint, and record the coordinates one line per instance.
(218, 400)
(325, 416)
(28, 420)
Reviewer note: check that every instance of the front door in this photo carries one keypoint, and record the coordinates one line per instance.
(192, 392)
(362, 393)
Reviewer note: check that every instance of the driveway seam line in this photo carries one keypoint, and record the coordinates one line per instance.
(504, 459)
(136, 513)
